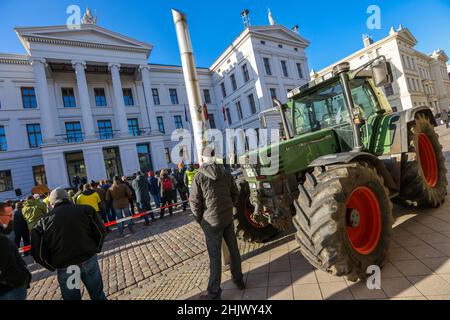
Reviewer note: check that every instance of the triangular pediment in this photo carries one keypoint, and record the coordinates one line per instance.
(279, 32)
(85, 34)
(407, 36)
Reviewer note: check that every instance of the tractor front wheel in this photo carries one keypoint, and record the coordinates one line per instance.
(423, 180)
(246, 228)
(344, 219)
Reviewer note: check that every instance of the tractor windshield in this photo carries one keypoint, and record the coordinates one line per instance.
(326, 107)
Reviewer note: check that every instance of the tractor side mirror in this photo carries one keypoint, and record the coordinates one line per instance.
(382, 73)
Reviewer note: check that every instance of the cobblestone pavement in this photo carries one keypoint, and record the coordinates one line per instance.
(168, 260)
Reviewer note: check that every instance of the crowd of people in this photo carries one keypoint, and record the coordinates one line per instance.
(66, 228)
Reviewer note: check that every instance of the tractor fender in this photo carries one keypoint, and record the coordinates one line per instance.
(353, 156)
(407, 117)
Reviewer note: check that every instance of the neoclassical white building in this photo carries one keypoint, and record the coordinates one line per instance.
(419, 79)
(86, 101)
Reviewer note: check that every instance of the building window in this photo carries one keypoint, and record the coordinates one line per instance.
(233, 82)
(68, 97)
(245, 73)
(39, 175)
(239, 110)
(212, 121)
(273, 93)
(389, 90)
(267, 66)
(144, 156)
(227, 111)
(3, 142)
(73, 132)
(34, 135)
(105, 131)
(167, 154)
(300, 70)
(29, 98)
(155, 94)
(224, 90)
(128, 97)
(178, 122)
(100, 97)
(6, 181)
(207, 96)
(173, 96)
(251, 102)
(284, 68)
(161, 124)
(133, 127)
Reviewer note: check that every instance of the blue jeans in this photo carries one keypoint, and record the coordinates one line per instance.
(157, 198)
(123, 213)
(91, 278)
(15, 294)
(145, 206)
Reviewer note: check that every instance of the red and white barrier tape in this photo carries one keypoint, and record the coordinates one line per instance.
(115, 222)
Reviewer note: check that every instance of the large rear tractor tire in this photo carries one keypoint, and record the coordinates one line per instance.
(246, 229)
(344, 219)
(423, 181)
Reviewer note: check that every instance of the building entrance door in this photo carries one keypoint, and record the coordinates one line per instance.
(113, 165)
(75, 168)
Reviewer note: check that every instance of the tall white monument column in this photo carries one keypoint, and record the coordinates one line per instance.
(145, 73)
(43, 100)
(118, 96)
(85, 104)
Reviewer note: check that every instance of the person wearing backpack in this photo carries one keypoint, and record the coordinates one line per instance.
(67, 240)
(166, 192)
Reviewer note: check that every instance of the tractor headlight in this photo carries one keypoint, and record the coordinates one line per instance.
(252, 186)
(267, 185)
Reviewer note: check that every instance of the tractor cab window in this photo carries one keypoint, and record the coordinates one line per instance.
(324, 108)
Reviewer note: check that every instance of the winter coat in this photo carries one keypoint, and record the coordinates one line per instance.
(102, 194)
(212, 196)
(68, 235)
(120, 194)
(13, 270)
(179, 181)
(89, 198)
(141, 188)
(32, 211)
(153, 185)
(165, 194)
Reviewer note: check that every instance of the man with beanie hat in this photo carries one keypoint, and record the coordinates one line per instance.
(68, 240)
(212, 199)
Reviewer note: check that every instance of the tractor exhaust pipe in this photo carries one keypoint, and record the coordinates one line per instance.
(191, 80)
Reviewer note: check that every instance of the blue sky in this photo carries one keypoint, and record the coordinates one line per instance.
(334, 28)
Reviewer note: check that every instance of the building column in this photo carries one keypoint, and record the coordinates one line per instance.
(145, 74)
(85, 104)
(43, 100)
(120, 111)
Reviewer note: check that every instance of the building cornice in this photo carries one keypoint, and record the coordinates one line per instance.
(82, 44)
(14, 59)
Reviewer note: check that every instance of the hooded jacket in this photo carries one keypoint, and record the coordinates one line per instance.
(13, 271)
(141, 188)
(213, 196)
(89, 198)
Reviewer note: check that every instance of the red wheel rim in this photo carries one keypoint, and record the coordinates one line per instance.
(428, 160)
(364, 236)
(248, 215)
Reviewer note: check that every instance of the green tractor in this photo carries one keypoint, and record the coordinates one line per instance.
(344, 157)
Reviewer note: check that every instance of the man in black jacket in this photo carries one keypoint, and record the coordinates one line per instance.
(14, 276)
(68, 240)
(212, 199)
